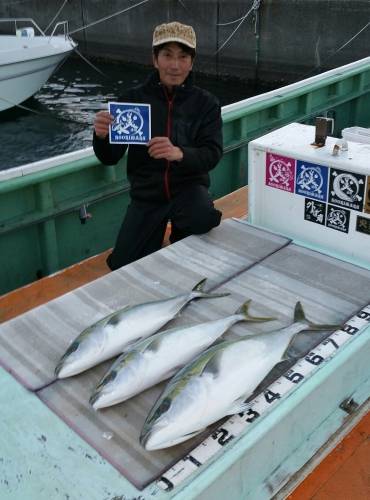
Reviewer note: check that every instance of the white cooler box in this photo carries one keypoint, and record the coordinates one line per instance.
(304, 192)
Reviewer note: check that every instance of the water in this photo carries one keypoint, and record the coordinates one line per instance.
(68, 103)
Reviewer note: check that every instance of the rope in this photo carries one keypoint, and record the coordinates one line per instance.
(255, 6)
(335, 52)
(108, 17)
(56, 15)
(217, 24)
(91, 64)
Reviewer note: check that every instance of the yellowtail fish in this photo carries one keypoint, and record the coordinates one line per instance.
(110, 335)
(217, 383)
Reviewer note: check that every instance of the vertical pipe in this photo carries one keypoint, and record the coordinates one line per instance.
(217, 38)
(257, 33)
(83, 24)
(47, 230)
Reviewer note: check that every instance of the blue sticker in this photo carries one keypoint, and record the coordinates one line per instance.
(131, 123)
(312, 180)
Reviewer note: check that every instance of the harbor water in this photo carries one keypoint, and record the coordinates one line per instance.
(63, 110)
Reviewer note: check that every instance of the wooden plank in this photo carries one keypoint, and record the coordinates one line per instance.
(344, 473)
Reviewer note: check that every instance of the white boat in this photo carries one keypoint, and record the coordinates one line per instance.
(28, 58)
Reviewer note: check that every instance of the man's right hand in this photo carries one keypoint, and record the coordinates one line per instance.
(101, 123)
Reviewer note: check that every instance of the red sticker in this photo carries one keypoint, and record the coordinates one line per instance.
(280, 172)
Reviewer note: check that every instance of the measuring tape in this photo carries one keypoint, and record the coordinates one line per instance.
(236, 424)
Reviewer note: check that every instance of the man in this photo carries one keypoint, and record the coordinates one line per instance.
(168, 177)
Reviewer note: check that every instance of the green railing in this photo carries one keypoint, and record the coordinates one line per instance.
(40, 209)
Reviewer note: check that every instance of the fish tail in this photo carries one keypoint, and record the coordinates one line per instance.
(300, 316)
(198, 293)
(244, 310)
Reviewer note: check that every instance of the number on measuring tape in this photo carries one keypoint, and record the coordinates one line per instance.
(192, 460)
(165, 484)
(351, 330)
(293, 376)
(364, 315)
(251, 414)
(221, 435)
(314, 358)
(330, 341)
(271, 396)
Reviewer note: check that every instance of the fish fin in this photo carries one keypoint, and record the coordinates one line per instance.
(212, 365)
(204, 295)
(200, 294)
(199, 286)
(154, 345)
(244, 309)
(299, 315)
(322, 327)
(239, 406)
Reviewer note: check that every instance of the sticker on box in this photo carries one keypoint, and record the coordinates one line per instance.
(314, 211)
(312, 180)
(338, 218)
(131, 123)
(367, 197)
(346, 189)
(280, 172)
(363, 225)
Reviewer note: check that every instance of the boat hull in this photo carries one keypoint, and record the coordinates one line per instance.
(30, 67)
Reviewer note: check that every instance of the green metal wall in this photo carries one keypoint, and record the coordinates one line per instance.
(40, 229)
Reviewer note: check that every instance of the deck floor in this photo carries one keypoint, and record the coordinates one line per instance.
(344, 474)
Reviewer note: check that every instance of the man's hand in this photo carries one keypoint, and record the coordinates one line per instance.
(162, 148)
(101, 123)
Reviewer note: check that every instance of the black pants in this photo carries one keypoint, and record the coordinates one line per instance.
(144, 226)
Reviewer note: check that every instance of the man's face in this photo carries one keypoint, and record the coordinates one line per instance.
(173, 64)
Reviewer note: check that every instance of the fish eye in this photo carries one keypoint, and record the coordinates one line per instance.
(114, 320)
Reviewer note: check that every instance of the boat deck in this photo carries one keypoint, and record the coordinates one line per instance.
(342, 474)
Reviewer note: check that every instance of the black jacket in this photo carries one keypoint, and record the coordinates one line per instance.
(192, 121)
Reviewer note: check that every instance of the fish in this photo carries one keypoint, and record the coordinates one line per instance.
(217, 383)
(112, 334)
(160, 356)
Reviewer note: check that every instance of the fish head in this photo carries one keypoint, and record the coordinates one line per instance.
(172, 420)
(104, 391)
(79, 354)
(119, 383)
(157, 429)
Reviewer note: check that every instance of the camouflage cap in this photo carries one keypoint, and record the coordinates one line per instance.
(174, 32)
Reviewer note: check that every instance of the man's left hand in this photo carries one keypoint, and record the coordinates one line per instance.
(162, 148)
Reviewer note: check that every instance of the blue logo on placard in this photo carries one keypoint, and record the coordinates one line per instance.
(312, 180)
(131, 123)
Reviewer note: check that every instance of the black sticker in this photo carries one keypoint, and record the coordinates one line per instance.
(363, 225)
(347, 189)
(338, 218)
(314, 211)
